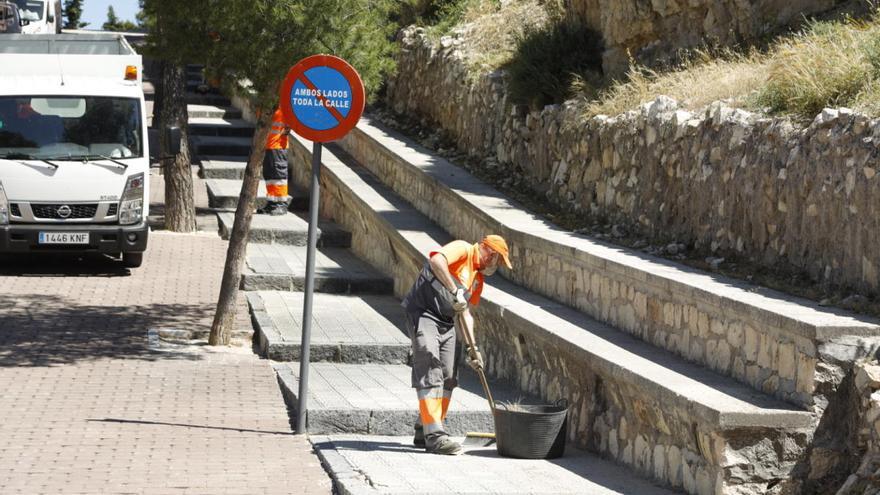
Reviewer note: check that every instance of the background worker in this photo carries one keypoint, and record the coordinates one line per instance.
(451, 279)
(275, 167)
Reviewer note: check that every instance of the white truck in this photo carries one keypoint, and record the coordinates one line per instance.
(74, 156)
(40, 16)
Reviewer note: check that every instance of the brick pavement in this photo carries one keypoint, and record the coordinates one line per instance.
(89, 407)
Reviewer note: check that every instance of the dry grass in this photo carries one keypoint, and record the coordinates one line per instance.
(833, 63)
(700, 81)
(491, 33)
(829, 64)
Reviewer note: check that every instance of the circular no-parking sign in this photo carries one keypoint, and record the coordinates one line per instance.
(322, 98)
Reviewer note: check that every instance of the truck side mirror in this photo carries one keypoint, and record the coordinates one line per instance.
(173, 138)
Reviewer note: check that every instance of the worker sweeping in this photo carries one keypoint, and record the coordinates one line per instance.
(450, 281)
(275, 167)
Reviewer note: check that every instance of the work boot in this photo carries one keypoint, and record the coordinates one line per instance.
(419, 437)
(273, 208)
(444, 446)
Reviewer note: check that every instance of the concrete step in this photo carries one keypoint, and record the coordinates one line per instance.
(193, 96)
(220, 127)
(223, 194)
(213, 112)
(221, 145)
(348, 329)
(645, 407)
(761, 337)
(223, 167)
(291, 229)
(281, 267)
(373, 465)
(378, 399)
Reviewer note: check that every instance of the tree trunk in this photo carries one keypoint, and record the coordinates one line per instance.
(180, 210)
(224, 318)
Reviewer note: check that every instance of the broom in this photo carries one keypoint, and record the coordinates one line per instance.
(473, 438)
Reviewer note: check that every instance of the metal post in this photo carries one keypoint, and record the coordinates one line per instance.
(315, 191)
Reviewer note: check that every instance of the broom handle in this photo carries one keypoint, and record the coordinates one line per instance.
(467, 337)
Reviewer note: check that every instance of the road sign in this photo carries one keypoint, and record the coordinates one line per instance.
(322, 98)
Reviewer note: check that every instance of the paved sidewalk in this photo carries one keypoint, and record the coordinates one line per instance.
(373, 465)
(89, 407)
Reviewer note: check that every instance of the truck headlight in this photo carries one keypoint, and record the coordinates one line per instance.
(4, 206)
(131, 207)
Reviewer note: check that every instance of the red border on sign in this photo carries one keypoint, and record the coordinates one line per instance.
(357, 98)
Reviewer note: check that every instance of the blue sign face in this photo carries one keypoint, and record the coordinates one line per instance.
(321, 98)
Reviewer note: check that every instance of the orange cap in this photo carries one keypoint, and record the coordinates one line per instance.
(499, 245)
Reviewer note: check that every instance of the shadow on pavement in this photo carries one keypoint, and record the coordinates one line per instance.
(183, 425)
(368, 446)
(61, 264)
(51, 330)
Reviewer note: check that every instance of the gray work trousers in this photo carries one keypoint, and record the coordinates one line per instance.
(435, 353)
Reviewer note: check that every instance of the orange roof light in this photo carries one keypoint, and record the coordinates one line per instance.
(131, 73)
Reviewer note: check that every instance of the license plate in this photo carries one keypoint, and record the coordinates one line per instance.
(64, 238)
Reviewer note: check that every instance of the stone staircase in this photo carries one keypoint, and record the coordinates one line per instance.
(699, 382)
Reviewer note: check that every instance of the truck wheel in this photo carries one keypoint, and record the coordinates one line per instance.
(132, 260)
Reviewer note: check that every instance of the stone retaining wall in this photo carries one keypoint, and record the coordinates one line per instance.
(610, 413)
(654, 31)
(721, 179)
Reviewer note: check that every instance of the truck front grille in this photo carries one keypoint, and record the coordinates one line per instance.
(111, 212)
(15, 210)
(50, 211)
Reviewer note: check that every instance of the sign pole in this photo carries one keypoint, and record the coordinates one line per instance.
(314, 204)
(321, 99)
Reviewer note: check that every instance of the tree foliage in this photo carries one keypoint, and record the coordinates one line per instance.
(114, 23)
(259, 40)
(73, 14)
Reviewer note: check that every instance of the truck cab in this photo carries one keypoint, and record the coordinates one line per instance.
(40, 16)
(10, 20)
(74, 160)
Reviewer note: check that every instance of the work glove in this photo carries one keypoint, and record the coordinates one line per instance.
(475, 359)
(460, 303)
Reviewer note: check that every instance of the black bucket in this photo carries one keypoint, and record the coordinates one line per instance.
(531, 432)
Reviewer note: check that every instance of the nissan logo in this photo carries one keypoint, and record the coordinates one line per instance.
(64, 211)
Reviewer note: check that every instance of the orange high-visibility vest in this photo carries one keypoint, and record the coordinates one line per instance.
(277, 139)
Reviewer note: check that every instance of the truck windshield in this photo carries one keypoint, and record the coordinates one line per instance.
(31, 10)
(65, 127)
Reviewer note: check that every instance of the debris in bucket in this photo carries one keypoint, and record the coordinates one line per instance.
(514, 405)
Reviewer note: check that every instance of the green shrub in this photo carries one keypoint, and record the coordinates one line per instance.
(549, 61)
(438, 15)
